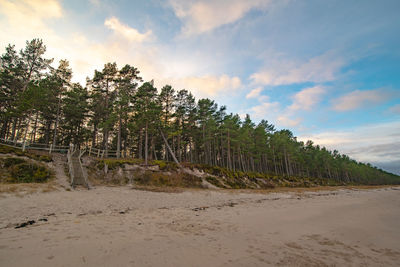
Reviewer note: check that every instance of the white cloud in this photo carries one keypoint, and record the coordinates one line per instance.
(307, 98)
(205, 15)
(288, 116)
(86, 55)
(265, 110)
(204, 86)
(358, 99)
(28, 16)
(254, 93)
(34, 9)
(318, 69)
(273, 112)
(286, 120)
(96, 3)
(125, 31)
(377, 143)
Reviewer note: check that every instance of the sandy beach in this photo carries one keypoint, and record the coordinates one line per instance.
(120, 226)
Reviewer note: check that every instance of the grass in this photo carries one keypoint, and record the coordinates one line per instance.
(21, 170)
(160, 179)
(27, 188)
(35, 155)
(226, 178)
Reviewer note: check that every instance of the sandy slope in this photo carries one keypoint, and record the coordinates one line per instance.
(124, 227)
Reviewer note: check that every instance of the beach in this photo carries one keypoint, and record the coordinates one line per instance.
(122, 226)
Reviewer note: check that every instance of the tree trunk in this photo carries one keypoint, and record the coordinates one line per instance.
(145, 144)
(169, 149)
(33, 137)
(119, 138)
(14, 128)
(57, 120)
(94, 135)
(140, 144)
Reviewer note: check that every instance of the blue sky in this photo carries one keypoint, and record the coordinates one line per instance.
(327, 70)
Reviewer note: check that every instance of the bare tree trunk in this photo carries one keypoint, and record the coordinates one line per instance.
(27, 126)
(33, 137)
(14, 129)
(57, 120)
(105, 142)
(169, 149)
(94, 135)
(4, 129)
(145, 144)
(119, 138)
(140, 144)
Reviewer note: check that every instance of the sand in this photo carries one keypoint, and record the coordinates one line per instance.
(120, 226)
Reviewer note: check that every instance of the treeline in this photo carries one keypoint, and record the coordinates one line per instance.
(118, 111)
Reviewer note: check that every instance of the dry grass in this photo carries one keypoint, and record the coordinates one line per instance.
(27, 188)
(160, 189)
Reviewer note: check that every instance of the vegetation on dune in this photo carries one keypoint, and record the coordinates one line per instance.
(117, 111)
(161, 179)
(30, 154)
(18, 170)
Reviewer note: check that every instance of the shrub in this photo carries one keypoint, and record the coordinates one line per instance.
(114, 163)
(29, 173)
(164, 180)
(45, 158)
(30, 154)
(9, 162)
(7, 149)
(165, 165)
(161, 164)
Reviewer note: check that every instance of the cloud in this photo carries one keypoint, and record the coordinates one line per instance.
(289, 116)
(318, 69)
(285, 120)
(266, 109)
(307, 98)
(358, 99)
(86, 55)
(254, 93)
(390, 166)
(374, 143)
(206, 15)
(273, 112)
(28, 16)
(96, 3)
(34, 9)
(125, 31)
(204, 86)
(286, 116)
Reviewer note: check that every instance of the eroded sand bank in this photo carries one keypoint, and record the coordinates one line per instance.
(118, 226)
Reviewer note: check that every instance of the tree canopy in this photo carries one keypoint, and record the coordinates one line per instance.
(116, 110)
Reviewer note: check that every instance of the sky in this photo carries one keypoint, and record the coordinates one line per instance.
(327, 70)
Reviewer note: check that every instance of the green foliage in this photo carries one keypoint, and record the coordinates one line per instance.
(30, 154)
(114, 113)
(165, 165)
(45, 158)
(29, 173)
(9, 162)
(114, 163)
(164, 180)
(17, 170)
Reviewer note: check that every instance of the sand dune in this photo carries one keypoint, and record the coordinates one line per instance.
(119, 226)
